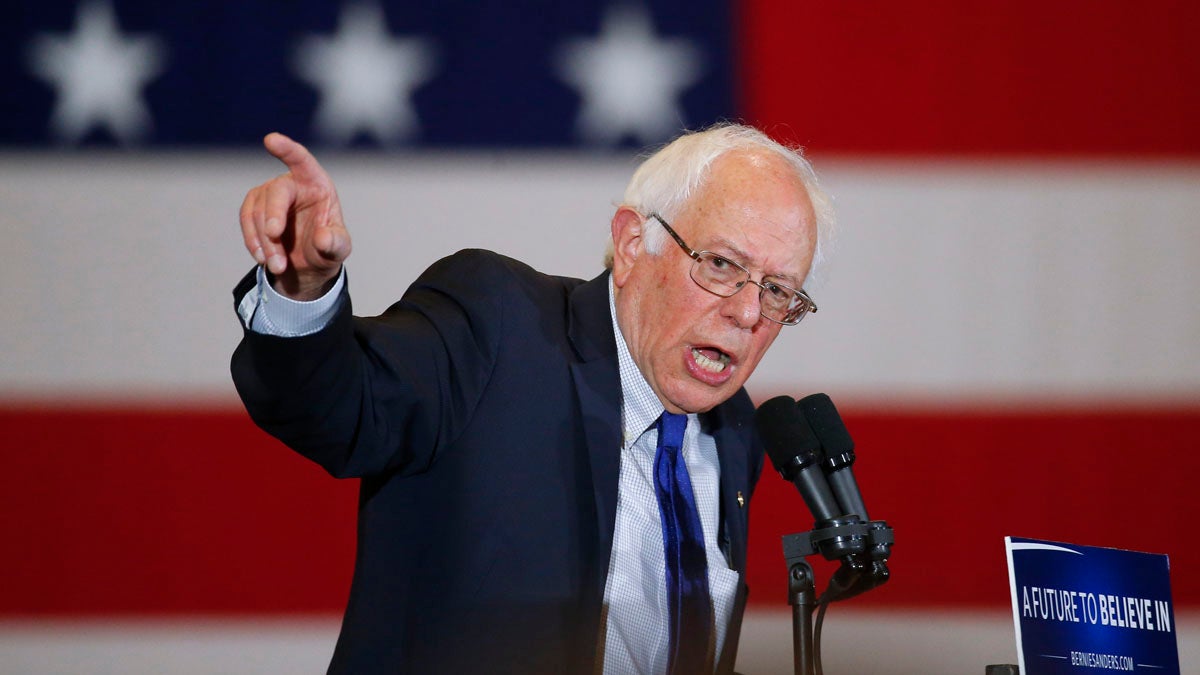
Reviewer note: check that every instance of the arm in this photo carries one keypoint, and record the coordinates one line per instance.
(365, 396)
(357, 396)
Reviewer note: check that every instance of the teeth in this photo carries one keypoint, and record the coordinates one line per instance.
(712, 366)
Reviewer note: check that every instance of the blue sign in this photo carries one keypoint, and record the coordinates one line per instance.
(1082, 609)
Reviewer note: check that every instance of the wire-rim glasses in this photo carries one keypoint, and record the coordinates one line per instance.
(724, 277)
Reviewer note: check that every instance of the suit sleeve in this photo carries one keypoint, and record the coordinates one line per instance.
(364, 396)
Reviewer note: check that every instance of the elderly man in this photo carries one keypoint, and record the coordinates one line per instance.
(555, 473)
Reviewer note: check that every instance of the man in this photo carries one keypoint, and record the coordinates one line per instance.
(555, 473)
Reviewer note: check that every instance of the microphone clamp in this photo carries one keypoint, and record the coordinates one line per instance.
(862, 548)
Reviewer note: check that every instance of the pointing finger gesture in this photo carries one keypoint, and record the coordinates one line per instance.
(293, 223)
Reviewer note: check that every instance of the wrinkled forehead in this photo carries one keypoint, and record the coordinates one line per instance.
(755, 207)
(742, 178)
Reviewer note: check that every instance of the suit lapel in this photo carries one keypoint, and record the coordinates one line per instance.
(598, 390)
(733, 433)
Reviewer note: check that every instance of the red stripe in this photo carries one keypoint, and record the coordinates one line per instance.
(166, 511)
(954, 485)
(1078, 77)
(184, 512)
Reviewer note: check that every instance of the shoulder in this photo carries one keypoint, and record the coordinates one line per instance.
(477, 262)
(483, 293)
(489, 277)
(483, 261)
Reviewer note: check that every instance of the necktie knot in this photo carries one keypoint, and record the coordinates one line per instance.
(670, 430)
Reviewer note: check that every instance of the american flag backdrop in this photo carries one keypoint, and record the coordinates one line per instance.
(1009, 323)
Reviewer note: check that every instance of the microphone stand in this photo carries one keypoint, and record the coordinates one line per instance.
(863, 549)
(803, 599)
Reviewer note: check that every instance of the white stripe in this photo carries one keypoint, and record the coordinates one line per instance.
(889, 642)
(952, 279)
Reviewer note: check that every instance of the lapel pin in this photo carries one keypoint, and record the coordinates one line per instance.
(741, 500)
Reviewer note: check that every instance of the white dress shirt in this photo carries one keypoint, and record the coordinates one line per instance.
(635, 597)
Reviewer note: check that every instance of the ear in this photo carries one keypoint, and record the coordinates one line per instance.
(627, 227)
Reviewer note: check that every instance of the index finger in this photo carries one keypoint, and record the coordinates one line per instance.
(299, 160)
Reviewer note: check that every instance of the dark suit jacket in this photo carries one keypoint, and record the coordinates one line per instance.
(482, 412)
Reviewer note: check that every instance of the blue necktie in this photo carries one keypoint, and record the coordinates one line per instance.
(683, 542)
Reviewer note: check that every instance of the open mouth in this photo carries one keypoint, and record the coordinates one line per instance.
(710, 359)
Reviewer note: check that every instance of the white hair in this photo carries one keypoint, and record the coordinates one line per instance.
(668, 178)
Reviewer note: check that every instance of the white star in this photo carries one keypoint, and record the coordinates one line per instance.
(365, 77)
(99, 76)
(629, 78)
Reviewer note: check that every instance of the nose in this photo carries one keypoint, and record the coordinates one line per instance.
(743, 308)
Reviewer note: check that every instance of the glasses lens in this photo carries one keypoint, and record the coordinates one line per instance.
(718, 275)
(783, 304)
(777, 301)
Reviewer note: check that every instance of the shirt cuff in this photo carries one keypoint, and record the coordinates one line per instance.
(266, 311)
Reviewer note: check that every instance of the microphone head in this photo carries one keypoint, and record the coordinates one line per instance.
(789, 440)
(827, 424)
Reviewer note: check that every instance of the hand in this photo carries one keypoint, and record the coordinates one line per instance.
(293, 223)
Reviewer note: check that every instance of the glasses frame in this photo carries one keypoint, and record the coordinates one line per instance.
(697, 256)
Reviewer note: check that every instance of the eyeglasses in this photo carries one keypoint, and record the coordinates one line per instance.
(721, 276)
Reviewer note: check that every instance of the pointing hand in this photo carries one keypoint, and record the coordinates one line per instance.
(293, 223)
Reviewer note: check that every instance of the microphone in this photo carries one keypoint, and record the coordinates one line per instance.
(831, 433)
(795, 452)
(859, 573)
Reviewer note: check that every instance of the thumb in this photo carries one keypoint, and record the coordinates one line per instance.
(332, 243)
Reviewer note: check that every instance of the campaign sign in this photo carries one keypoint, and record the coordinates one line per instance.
(1082, 609)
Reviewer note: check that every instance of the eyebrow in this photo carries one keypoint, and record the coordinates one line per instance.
(741, 257)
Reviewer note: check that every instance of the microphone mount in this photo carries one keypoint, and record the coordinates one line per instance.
(863, 549)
